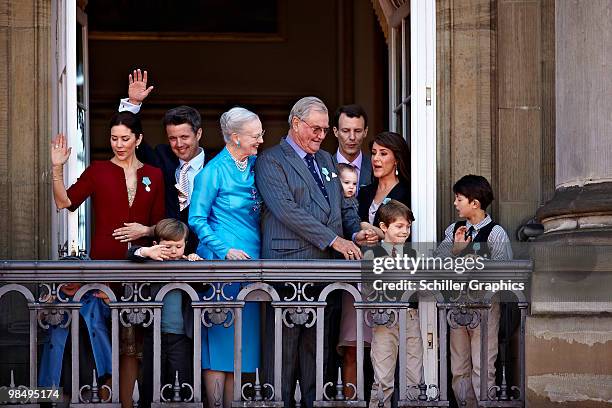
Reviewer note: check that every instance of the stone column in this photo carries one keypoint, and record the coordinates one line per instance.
(25, 64)
(569, 353)
(582, 204)
(465, 62)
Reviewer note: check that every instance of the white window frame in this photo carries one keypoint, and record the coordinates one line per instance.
(65, 225)
(423, 119)
(412, 106)
(412, 113)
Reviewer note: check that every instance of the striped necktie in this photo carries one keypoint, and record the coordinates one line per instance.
(470, 232)
(310, 162)
(183, 186)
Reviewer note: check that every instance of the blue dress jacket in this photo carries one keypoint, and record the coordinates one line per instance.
(224, 212)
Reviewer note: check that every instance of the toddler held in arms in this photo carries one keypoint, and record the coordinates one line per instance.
(349, 180)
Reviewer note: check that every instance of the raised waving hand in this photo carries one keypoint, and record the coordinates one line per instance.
(137, 89)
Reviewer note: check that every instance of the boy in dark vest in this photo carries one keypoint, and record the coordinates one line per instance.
(476, 235)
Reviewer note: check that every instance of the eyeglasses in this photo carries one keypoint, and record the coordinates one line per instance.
(316, 129)
(259, 135)
(256, 136)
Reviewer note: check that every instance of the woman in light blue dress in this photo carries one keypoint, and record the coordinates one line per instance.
(224, 213)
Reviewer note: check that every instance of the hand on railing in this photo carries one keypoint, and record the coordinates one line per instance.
(193, 257)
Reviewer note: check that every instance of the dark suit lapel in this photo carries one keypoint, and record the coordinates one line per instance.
(170, 164)
(300, 167)
(334, 159)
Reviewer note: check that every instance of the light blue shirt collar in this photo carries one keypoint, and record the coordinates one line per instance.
(196, 163)
(301, 153)
(295, 147)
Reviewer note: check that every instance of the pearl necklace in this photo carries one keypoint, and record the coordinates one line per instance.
(240, 164)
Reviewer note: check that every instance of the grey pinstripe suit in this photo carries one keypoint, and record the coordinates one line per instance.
(298, 223)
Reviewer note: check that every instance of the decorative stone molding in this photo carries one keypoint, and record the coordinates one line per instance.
(389, 13)
(381, 17)
(578, 208)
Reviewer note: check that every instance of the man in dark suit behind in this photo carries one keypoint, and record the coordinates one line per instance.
(351, 130)
(305, 217)
(180, 160)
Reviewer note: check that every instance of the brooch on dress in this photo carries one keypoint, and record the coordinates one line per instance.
(147, 182)
(256, 201)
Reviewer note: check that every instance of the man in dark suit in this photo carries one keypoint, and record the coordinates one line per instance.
(304, 217)
(351, 129)
(180, 160)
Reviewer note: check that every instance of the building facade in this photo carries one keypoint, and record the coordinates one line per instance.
(520, 95)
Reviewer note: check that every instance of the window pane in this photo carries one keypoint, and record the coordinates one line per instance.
(78, 149)
(80, 74)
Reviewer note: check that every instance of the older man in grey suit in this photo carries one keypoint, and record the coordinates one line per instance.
(305, 217)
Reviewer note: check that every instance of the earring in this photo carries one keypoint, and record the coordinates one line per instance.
(237, 143)
(137, 146)
(396, 172)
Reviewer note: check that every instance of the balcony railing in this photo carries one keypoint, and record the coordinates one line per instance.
(40, 282)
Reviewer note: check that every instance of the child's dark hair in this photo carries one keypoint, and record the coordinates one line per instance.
(129, 120)
(475, 188)
(170, 229)
(392, 210)
(345, 167)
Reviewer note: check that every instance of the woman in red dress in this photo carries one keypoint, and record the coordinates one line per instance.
(127, 201)
(127, 195)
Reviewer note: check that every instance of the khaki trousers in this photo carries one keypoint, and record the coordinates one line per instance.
(465, 358)
(384, 351)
